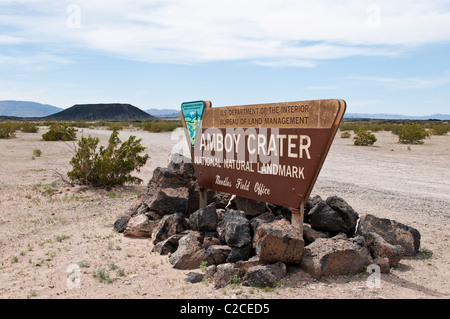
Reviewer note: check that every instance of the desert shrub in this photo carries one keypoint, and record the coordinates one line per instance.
(103, 276)
(160, 126)
(37, 152)
(356, 127)
(115, 126)
(412, 134)
(440, 129)
(60, 132)
(364, 138)
(109, 166)
(345, 134)
(386, 127)
(81, 124)
(393, 128)
(7, 130)
(27, 127)
(396, 129)
(350, 127)
(100, 123)
(374, 127)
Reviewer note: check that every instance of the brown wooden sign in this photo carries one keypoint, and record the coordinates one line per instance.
(268, 152)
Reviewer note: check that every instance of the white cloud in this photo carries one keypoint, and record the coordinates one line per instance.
(405, 83)
(322, 87)
(276, 63)
(6, 40)
(275, 33)
(36, 61)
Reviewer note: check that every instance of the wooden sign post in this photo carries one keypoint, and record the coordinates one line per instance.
(268, 152)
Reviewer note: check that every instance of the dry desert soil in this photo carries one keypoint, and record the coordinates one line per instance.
(51, 231)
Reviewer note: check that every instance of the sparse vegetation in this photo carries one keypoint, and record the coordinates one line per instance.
(81, 124)
(103, 276)
(350, 127)
(235, 281)
(60, 132)
(160, 126)
(28, 127)
(364, 138)
(440, 129)
(37, 152)
(7, 130)
(345, 134)
(395, 129)
(37, 259)
(110, 245)
(413, 134)
(60, 238)
(112, 266)
(84, 264)
(203, 265)
(49, 189)
(425, 253)
(435, 127)
(111, 195)
(115, 126)
(109, 166)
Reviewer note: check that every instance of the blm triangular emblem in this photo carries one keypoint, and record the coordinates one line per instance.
(192, 114)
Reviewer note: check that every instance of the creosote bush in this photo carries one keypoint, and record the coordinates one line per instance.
(109, 166)
(440, 129)
(160, 126)
(345, 134)
(37, 152)
(115, 126)
(29, 128)
(350, 127)
(412, 134)
(7, 130)
(396, 129)
(364, 138)
(60, 132)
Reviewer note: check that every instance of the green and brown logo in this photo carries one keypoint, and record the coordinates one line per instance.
(192, 113)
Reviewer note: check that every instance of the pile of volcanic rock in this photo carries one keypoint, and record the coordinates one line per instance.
(235, 238)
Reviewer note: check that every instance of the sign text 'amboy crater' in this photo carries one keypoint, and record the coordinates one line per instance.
(268, 152)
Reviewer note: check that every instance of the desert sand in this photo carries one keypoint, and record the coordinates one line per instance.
(56, 239)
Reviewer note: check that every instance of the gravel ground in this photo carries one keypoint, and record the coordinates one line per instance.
(49, 228)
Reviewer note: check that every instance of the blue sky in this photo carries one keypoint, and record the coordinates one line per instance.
(379, 56)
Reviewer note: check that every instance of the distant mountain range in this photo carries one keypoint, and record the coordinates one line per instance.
(128, 112)
(81, 112)
(383, 116)
(26, 109)
(163, 112)
(105, 112)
